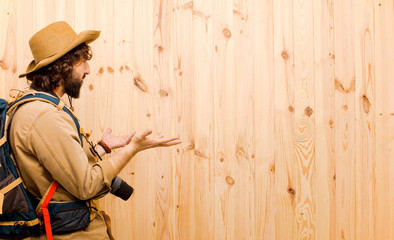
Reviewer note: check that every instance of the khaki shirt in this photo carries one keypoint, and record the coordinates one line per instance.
(46, 146)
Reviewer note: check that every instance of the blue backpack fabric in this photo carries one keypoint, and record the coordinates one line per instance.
(17, 212)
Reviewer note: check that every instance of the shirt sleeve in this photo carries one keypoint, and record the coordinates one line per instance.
(54, 140)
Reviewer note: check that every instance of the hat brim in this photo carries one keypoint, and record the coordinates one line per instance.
(87, 37)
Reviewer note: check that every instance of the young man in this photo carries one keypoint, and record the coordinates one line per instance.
(45, 141)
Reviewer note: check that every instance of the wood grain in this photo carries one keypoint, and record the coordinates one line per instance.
(286, 167)
(384, 57)
(264, 133)
(224, 119)
(365, 95)
(203, 113)
(345, 134)
(8, 46)
(183, 71)
(304, 131)
(244, 174)
(324, 55)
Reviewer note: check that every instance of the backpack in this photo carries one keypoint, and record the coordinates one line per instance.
(18, 215)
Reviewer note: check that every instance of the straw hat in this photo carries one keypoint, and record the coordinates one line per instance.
(53, 42)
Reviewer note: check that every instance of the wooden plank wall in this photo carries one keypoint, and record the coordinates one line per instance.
(285, 109)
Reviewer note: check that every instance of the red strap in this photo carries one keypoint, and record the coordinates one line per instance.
(47, 222)
(50, 194)
(45, 212)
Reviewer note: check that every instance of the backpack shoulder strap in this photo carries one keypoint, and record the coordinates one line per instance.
(50, 99)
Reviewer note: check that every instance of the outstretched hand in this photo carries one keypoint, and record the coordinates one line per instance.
(143, 141)
(114, 142)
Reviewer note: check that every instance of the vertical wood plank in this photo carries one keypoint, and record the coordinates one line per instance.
(8, 48)
(143, 74)
(365, 112)
(86, 105)
(384, 114)
(163, 117)
(324, 187)
(185, 215)
(264, 132)
(122, 212)
(203, 117)
(24, 18)
(65, 11)
(345, 119)
(224, 119)
(243, 172)
(304, 135)
(286, 168)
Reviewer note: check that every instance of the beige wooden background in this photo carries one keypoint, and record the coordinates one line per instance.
(285, 109)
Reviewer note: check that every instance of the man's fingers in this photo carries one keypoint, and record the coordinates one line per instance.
(171, 143)
(146, 133)
(129, 137)
(166, 140)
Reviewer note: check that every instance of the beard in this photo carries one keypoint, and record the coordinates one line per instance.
(72, 86)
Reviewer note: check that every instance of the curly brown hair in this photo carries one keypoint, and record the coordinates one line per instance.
(50, 77)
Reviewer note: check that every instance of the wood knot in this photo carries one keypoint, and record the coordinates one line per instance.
(331, 123)
(273, 168)
(191, 146)
(227, 33)
(91, 87)
(285, 55)
(139, 83)
(127, 67)
(221, 159)
(345, 107)
(366, 104)
(159, 48)
(339, 86)
(3, 65)
(110, 69)
(291, 191)
(121, 69)
(148, 114)
(230, 180)
(200, 154)
(308, 111)
(291, 108)
(163, 93)
(101, 70)
(178, 72)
